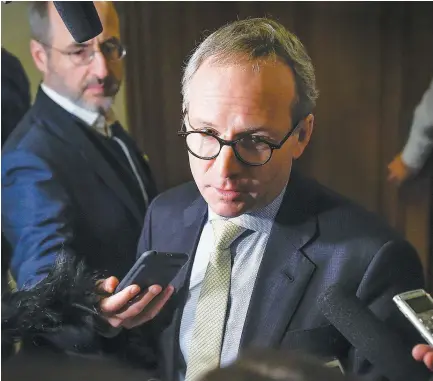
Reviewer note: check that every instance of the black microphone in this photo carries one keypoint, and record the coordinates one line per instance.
(81, 19)
(375, 341)
(67, 296)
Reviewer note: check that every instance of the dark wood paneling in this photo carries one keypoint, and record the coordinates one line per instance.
(341, 39)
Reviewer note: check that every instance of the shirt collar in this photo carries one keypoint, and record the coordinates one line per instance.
(91, 118)
(260, 220)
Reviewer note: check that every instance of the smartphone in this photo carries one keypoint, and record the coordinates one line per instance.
(153, 268)
(417, 306)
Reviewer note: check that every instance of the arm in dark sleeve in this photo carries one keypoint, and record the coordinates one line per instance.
(37, 216)
(394, 269)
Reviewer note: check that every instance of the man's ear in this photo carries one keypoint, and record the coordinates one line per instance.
(303, 136)
(40, 56)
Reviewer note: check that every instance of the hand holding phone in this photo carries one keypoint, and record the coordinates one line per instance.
(144, 290)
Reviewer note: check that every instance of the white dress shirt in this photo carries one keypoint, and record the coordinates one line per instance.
(247, 252)
(94, 119)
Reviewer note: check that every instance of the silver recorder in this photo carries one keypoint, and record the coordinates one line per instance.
(417, 306)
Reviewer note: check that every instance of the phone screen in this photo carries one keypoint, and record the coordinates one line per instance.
(420, 304)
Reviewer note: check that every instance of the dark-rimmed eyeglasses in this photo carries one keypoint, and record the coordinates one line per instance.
(111, 49)
(249, 149)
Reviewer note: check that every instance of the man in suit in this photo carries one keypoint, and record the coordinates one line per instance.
(264, 242)
(72, 178)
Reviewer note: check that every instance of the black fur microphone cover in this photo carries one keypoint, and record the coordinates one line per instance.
(60, 312)
(66, 297)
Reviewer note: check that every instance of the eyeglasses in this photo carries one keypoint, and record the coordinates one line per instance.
(250, 149)
(83, 54)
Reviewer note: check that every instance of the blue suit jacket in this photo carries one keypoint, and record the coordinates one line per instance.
(59, 193)
(318, 239)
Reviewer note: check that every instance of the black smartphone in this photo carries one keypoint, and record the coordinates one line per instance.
(153, 268)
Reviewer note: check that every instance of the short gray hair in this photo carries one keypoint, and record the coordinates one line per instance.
(39, 19)
(258, 38)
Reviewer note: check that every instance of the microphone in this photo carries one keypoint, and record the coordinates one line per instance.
(377, 343)
(67, 296)
(61, 312)
(81, 19)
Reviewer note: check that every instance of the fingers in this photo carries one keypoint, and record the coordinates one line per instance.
(116, 302)
(136, 307)
(128, 308)
(107, 285)
(423, 352)
(150, 310)
(428, 360)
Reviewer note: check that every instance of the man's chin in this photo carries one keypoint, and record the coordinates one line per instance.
(229, 209)
(97, 104)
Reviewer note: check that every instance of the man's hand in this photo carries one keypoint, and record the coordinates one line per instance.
(423, 352)
(122, 310)
(399, 172)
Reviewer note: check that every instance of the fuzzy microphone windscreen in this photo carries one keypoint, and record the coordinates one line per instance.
(67, 296)
(61, 312)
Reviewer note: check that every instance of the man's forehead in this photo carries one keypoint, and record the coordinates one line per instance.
(241, 86)
(265, 74)
(242, 94)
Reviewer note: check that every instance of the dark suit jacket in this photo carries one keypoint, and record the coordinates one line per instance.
(318, 239)
(59, 193)
(15, 102)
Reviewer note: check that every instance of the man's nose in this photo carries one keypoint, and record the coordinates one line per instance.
(100, 65)
(227, 163)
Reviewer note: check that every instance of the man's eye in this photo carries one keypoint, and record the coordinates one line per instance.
(258, 139)
(209, 131)
(80, 52)
(110, 47)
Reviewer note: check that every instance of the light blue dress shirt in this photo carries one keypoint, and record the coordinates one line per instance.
(247, 253)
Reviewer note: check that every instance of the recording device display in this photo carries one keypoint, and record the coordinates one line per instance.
(372, 337)
(153, 268)
(417, 306)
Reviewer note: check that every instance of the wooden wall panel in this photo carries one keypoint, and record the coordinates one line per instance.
(341, 39)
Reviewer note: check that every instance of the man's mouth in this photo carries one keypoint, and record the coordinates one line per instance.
(96, 88)
(229, 193)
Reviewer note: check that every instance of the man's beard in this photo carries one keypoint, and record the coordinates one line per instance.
(111, 88)
(104, 105)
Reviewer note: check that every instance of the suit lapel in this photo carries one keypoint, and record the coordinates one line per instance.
(185, 241)
(284, 272)
(141, 164)
(71, 130)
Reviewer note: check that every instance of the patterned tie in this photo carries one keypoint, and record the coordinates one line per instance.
(206, 343)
